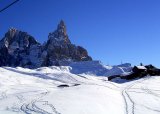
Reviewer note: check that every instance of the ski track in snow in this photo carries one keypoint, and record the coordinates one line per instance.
(3, 95)
(129, 103)
(32, 107)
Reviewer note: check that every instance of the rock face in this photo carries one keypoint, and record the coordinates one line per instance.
(18, 48)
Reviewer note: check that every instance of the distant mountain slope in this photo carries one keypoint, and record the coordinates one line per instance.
(18, 48)
(99, 69)
(94, 68)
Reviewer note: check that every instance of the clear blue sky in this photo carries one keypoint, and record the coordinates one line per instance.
(111, 30)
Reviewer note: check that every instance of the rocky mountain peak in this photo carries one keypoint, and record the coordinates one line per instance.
(12, 31)
(19, 38)
(59, 47)
(59, 36)
(18, 48)
(61, 28)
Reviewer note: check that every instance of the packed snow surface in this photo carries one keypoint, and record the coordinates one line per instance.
(44, 91)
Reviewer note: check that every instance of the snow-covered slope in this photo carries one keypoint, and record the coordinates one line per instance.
(98, 69)
(89, 67)
(122, 69)
(41, 91)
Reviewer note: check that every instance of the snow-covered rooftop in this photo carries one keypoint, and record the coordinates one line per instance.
(141, 67)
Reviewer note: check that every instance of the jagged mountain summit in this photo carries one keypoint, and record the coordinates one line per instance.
(59, 47)
(18, 48)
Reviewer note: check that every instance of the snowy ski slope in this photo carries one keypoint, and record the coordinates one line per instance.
(36, 91)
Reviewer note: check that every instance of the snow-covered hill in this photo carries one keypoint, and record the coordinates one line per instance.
(67, 90)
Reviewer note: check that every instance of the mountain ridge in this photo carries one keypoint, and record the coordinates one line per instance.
(18, 48)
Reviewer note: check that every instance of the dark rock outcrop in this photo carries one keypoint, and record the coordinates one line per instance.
(18, 48)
